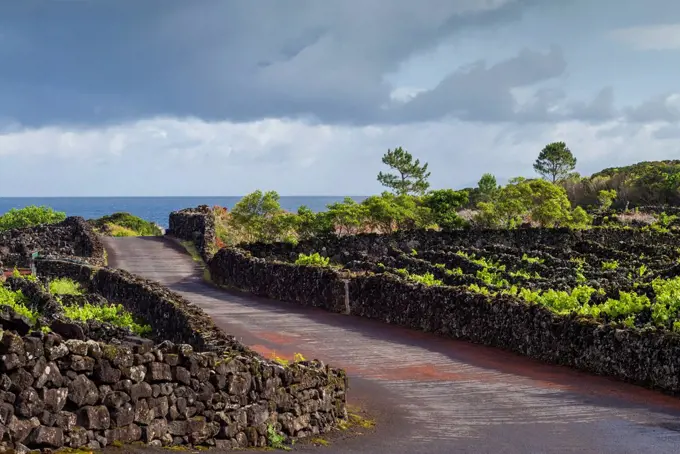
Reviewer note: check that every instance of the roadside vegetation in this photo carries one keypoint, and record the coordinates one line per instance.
(30, 216)
(125, 224)
(83, 311)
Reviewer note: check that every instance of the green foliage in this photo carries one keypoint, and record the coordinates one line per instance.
(442, 204)
(30, 216)
(644, 183)
(28, 277)
(388, 212)
(491, 277)
(487, 188)
(524, 200)
(347, 216)
(312, 260)
(275, 439)
(526, 258)
(605, 198)
(580, 264)
(17, 301)
(114, 314)
(555, 162)
(425, 279)
(311, 224)
(662, 223)
(126, 224)
(258, 216)
(524, 274)
(579, 219)
(411, 177)
(64, 286)
(610, 265)
(454, 272)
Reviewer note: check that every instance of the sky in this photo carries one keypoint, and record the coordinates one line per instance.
(222, 97)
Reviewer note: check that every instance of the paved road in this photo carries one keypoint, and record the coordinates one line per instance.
(429, 394)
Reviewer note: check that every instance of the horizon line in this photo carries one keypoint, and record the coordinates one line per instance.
(161, 196)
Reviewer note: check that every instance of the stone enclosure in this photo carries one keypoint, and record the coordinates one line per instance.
(71, 238)
(362, 286)
(85, 385)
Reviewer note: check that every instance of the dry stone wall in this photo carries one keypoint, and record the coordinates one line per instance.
(196, 225)
(647, 357)
(190, 384)
(73, 237)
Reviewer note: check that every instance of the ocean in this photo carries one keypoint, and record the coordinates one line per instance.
(155, 209)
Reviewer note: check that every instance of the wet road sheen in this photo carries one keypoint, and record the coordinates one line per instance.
(428, 394)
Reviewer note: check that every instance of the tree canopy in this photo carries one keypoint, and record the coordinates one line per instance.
(555, 162)
(411, 177)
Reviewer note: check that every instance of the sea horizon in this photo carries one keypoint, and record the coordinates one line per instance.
(153, 208)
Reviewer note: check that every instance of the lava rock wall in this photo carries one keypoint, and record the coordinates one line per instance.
(325, 287)
(197, 225)
(73, 237)
(646, 357)
(73, 393)
(192, 385)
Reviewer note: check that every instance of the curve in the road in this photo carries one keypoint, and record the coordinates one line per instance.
(431, 394)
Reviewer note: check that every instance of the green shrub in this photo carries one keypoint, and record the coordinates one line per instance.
(30, 216)
(17, 301)
(114, 314)
(28, 277)
(425, 279)
(126, 224)
(610, 265)
(312, 260)
(275, 440)
(64, 286)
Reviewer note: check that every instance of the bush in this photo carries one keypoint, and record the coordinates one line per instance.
(114, 314)
(30, 216)
(17, 301)
(126, 224)
(312, 260)
(64, 286)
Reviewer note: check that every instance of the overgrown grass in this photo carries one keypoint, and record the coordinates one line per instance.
(191, 249)
(196, 257)
(120, 231)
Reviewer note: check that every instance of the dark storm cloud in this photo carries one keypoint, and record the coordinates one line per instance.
(94, 62)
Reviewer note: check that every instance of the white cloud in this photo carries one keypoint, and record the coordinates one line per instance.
(650, 37)
(170, 156)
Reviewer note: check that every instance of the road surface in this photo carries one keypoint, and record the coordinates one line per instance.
(428, 394)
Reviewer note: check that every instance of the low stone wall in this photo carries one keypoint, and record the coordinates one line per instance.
(73, 237)
(86, 394)
(342, 249)
(233, 268)
(649, 358)
(197, 225)
(168, 313)
(193, 384)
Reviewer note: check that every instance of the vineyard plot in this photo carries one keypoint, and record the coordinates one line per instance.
(628, 276)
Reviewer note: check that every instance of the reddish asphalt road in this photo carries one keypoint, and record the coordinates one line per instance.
(429, 394)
